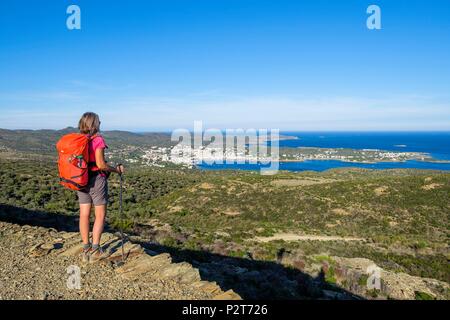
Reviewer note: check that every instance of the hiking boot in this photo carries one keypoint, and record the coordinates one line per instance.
(96, 254)
(85, 255)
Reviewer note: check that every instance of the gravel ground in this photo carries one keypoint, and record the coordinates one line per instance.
(43, 274)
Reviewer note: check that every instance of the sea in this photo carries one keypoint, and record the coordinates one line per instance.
(437, 144)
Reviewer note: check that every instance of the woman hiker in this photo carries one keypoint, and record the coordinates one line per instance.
(96, 193)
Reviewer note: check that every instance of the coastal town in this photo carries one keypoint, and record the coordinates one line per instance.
(350, 155)
(161, 156)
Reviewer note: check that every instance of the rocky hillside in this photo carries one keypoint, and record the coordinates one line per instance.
(291, 236)
(35, 262)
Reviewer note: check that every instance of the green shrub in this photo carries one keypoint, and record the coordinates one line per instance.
(124, 224)
(419, 295)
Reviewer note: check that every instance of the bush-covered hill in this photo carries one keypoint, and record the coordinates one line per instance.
(398, 218)
(43, 141)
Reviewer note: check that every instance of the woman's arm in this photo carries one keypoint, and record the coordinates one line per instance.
(102, 165)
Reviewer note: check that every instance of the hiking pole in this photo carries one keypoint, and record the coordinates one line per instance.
(121, 216)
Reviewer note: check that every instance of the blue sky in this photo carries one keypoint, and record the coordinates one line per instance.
(292, 65)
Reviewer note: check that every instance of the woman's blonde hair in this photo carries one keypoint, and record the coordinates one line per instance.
(89, 123)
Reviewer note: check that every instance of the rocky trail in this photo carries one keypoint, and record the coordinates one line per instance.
(38, 263)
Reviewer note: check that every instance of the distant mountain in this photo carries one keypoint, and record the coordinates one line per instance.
(43, 141)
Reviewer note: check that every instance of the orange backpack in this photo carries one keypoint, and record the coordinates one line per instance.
(73, 160)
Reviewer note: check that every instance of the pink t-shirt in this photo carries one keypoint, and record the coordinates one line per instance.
(97, 143)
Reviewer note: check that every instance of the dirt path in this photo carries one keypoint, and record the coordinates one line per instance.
(297, 237)
(301, 182)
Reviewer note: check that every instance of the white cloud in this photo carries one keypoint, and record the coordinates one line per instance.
(411, 112)
(338, 113)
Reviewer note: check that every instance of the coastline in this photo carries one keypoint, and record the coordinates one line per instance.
(367, 162)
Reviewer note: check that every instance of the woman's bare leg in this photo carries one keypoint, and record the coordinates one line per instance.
(85, 212)
(100, 213)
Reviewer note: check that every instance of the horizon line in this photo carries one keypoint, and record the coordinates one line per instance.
(281, 130)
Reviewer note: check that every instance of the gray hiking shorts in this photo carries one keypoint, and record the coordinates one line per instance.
(96, 192)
